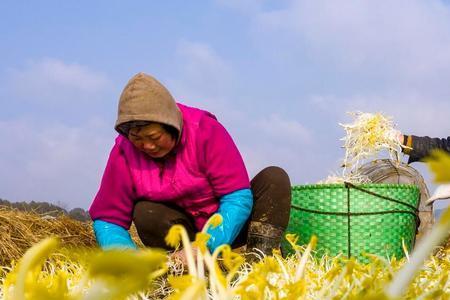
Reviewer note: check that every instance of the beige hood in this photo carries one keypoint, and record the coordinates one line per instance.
(145, 99)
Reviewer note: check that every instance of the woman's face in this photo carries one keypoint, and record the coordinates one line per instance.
(152, 139)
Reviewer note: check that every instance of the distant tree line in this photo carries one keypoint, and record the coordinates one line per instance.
(46, 208)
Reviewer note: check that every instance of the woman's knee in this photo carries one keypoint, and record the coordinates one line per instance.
(273, 179)
(153, 221)
(274, 175)
(272, 196)
(143, 214)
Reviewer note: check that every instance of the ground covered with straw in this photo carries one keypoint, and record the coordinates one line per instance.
(21, 230)
(72, 268)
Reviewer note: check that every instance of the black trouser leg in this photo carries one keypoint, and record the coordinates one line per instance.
(153, 221)
(271, 209)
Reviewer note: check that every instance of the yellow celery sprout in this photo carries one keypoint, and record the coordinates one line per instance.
(187, 287)
(439, 164)
(111, 275)
(28, 269)
(300, 270)
(217, 282)
(201, 239)
(293, 241)
(195, 290)
(107, 276)
(277, 255)
(271, 278)
(216, 278)
(120, 264)
(123, 272)
(232, 262)
(173, 237)
(214, 221)
(176, 234)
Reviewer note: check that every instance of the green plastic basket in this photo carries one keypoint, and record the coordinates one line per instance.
(354, 220)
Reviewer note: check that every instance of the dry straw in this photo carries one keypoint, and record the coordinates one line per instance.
(21, 230)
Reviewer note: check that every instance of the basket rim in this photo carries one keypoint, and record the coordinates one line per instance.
(364, 185)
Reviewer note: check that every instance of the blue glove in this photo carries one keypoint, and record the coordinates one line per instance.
(110, 235)
(235, 209)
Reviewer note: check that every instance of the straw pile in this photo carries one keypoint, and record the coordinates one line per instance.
(20, 230)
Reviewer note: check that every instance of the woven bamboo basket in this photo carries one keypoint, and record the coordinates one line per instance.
(355, 220)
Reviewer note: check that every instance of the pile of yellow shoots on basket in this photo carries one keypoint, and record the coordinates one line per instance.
(45, 272)
(366, 137)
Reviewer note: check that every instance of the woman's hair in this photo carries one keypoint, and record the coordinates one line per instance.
(171, 130)
(125, 128)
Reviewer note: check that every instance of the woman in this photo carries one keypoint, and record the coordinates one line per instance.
(174, 164)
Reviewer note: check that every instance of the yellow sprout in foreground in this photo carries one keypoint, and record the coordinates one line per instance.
(112, 274)
(27, 273)
(439, 164)
(224, 275)
(195, 283)
(66, 277)
(214, 221)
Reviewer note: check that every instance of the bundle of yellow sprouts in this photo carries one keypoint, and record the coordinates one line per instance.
(367, 136)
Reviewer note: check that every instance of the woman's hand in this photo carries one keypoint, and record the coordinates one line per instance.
(399, 136)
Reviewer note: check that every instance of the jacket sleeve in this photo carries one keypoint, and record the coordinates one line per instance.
(115, 198)
(220, 160)
(109, 236)
(422, 146)
(235, 209)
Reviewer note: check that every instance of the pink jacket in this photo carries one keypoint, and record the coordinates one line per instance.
(206, 165)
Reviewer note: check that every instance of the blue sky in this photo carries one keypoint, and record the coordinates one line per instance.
(280, 75)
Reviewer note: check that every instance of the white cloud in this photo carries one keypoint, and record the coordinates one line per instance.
(389, 56)
(278, 128)
(53, 162)
(54, 81)
(245, 6)
(57, 132)
(303, 164)
(287, 143)
(202, 72)
(203, 79)
(400, 44)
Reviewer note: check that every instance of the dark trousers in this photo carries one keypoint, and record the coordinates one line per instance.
(269, 218)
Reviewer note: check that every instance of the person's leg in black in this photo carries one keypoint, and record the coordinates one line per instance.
(271, 209)
(153, 221)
